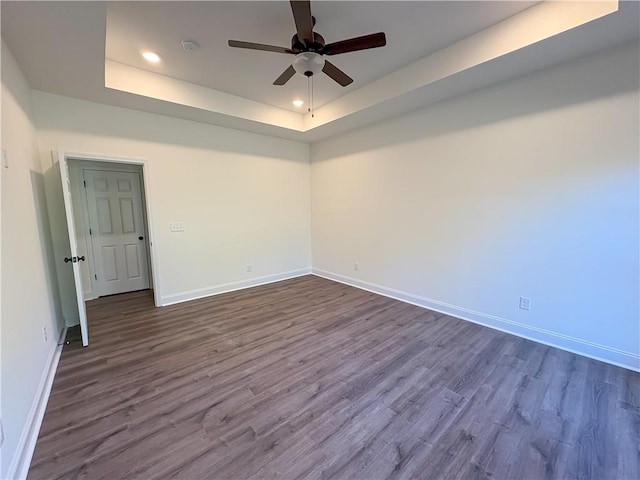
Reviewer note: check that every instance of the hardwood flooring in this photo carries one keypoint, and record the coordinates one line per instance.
(308, 378)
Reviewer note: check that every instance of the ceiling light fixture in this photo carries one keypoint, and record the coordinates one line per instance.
(151, 57)
(308, 63)
(298, 103)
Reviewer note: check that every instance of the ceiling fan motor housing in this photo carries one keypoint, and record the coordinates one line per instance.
(318, 43)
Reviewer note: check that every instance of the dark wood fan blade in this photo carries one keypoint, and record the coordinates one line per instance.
(373, 40)
(259, 46)
(304, 21)
(286, 75)
(337, 74)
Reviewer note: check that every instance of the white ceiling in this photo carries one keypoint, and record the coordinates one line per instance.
(434, 50)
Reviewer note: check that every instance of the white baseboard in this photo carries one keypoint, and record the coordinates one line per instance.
(166, 300)
(579, 346)
(19, 467)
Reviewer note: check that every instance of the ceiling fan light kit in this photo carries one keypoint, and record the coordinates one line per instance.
(308, 63)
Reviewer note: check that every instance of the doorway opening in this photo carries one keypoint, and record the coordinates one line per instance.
(110, 235)
(111, 227)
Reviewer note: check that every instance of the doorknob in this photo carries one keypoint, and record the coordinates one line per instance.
(140, 238)
(74, 259)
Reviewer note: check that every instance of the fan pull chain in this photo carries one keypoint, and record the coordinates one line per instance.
(310, 95)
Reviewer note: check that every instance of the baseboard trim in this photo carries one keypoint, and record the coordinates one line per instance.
(166, 300)
(619, 358)
(19, 467)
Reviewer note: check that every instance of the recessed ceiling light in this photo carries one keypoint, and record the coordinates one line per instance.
(151, 56)
(298, 103)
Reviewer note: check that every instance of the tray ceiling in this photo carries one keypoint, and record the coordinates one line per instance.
(435, 50)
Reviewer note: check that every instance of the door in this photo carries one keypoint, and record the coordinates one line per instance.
(73, 259)
(116, 223)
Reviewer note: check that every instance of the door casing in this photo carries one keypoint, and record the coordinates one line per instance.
(77, 161)
(90, 268)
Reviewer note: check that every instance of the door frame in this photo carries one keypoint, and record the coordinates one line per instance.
(77, 168)
(86, 158)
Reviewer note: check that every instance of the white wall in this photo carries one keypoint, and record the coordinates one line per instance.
(29, 301)
(528, 188)
(243, 197)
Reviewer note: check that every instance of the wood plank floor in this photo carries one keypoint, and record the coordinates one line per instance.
(308, 378)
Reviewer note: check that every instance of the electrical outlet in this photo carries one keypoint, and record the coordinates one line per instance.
(356, 266)
(44, 334)
(525, 303)
(176, 226)
(249, 267)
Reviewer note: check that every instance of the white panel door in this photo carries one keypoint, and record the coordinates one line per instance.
(74, 259)
(114, 201)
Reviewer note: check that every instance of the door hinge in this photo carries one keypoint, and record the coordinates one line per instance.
(95, 276)
(90, 232)
(84, 182)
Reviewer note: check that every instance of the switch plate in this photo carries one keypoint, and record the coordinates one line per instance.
(525, 303)
(5, 159)
(176, 226)
(249, 267)
(356, 266)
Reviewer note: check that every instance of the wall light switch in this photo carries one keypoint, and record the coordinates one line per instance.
(176, 226)
(5, 159)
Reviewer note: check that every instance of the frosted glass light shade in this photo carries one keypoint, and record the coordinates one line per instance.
(308, 63)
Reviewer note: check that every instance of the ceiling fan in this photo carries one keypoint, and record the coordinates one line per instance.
(310, 48)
